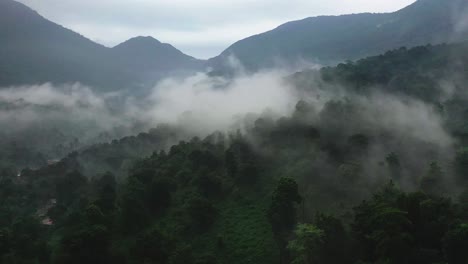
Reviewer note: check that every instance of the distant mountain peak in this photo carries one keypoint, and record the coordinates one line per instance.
(145, 38)
(35, 50)
(141, 40)
(147, 46)
(143, 44)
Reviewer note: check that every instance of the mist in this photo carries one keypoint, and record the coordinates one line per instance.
(56, 120)
(206, 104)
(215, 102)
(201, 104)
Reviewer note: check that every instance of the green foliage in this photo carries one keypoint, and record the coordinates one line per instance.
(241, 161)
(70, 187)
(231, 199)
(175, 199)
(23, 242)
(456, 243)
(394, 226)
(282, 211)
(393, 163)
(201, 211)
(335, 246)
(461, 164)
(183, 255)
(152, 247)
(432, 182)
(306, 246)
(135, 214)
(107, 192)
(85, 245)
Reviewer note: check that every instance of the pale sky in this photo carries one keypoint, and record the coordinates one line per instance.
(200, 28)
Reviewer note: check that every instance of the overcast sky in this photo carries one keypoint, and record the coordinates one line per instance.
(200, 28)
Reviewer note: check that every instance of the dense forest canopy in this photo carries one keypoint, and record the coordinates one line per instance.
(370, 167)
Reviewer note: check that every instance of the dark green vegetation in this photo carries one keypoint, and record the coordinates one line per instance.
(344, 183)
(331, 39)
(33, 134)
(371, 167)
(436, 75)
(34, 50)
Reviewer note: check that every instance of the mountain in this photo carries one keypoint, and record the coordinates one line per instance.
(146, 52)
(150, 58)
(331, 39)
(35, 50)
(325, 182)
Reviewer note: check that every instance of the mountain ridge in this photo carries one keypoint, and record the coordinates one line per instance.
(36, 50)
(329, 40)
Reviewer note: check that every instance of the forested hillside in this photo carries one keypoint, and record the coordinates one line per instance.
(371, 167)
(327, 40)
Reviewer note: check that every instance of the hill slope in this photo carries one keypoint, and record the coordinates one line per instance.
(150, 59)
(332, 39)
(324, 175)
(35, 50)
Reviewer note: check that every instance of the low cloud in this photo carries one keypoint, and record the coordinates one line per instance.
(200, 104)
(208, 104)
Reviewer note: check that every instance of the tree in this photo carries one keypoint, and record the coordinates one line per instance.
(242, 162)
(93, 215)
(135, 214)
(359, 143)
(159, 195)
(334, 244)
(432, 182)
(282, 211)
(461, 165)
(209, 184)
(5, 241)
(393, 163)
(87, 239)
(182, 255)
(202, 213)
(204, 160)
(107, 192)
(383, 228)
(86, 244)
(70, 187)
(153, 247)
(456, 245)
(307, 244)
(463, 201)
(27, 238)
